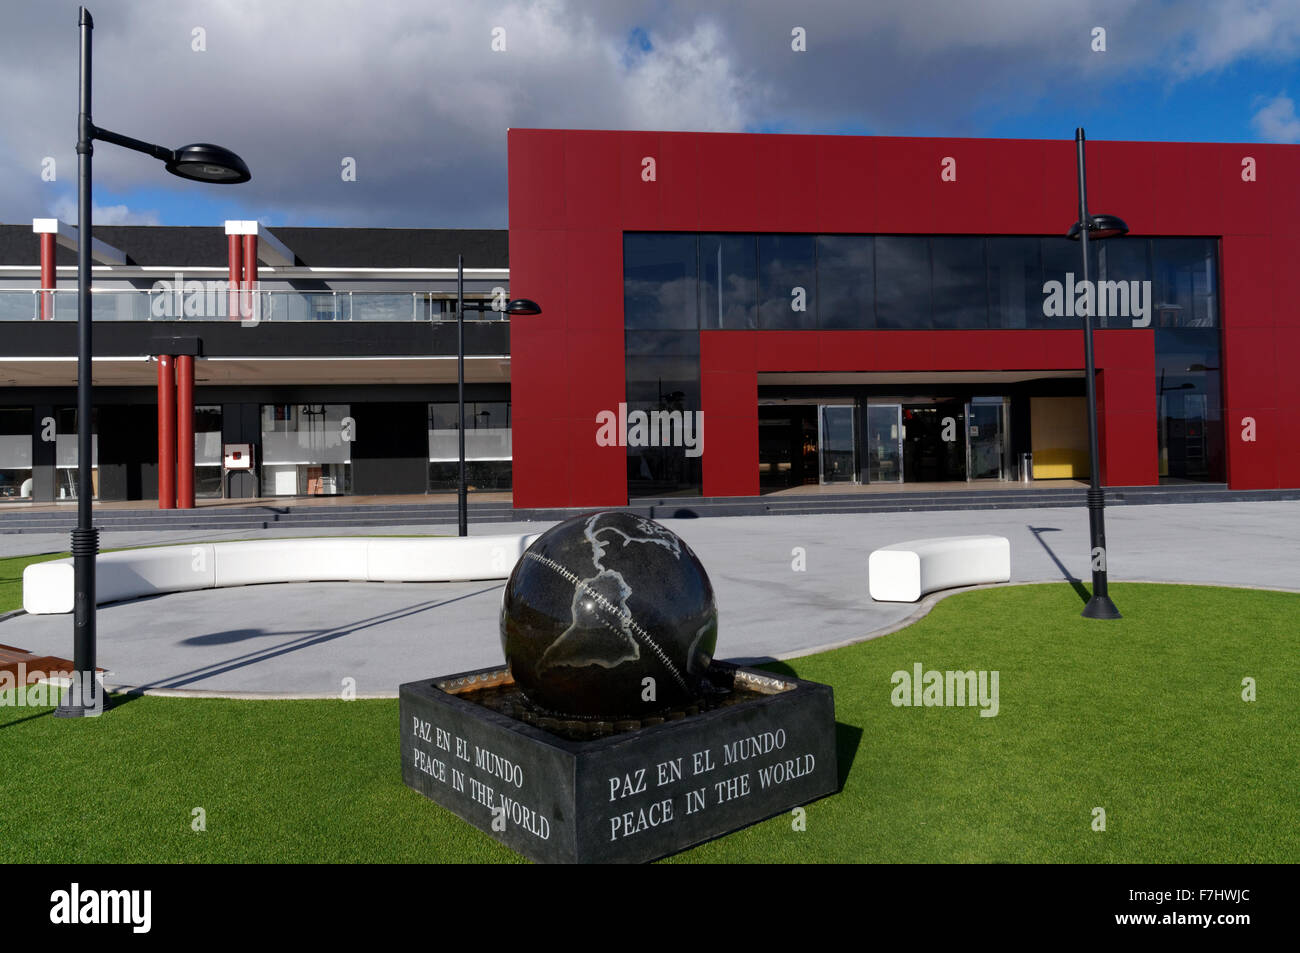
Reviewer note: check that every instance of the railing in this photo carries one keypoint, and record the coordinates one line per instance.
(213, 302)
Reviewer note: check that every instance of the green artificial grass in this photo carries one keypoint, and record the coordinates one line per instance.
(1143, 717)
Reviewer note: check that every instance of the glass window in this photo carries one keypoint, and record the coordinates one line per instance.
(902, 282)
(1063, 263)
(1189, 401)
(846, 281)
(660, 281)
(960, 283)
(15, 453)
(306, 449)
(787, 282)
(1015, 280)
(728, 282)
(1186, 283)
(207, 451)
(65, 452)
(663, 365)
(1125, 260)
(489, 450)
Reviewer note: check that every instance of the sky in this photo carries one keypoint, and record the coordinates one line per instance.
(419, 93)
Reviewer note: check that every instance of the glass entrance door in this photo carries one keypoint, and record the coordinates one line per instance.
(835, 443)
(884, 443)
(985, 439)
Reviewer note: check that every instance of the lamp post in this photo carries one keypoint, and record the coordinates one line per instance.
(201, 162)
(1100, 605)
(518, 307)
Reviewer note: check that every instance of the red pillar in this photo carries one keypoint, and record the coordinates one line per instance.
(166, 433)
(250, 261)
(236, 273)
(48, 279)
(185, 432)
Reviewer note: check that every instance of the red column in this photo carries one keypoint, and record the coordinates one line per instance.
(185, 432)
(48, 279)
(236, 273)
(250, 261)
(166, 433)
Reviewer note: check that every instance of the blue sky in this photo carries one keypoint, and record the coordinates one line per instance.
(420, 97)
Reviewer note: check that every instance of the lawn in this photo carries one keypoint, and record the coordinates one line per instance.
(1143, 717)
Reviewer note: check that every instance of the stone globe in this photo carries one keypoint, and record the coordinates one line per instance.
(609, 615)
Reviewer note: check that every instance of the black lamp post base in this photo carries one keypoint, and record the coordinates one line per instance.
(1100, 607)
(82, 711)
(76, 704)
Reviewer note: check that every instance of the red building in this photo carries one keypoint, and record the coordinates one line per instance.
(897, 280)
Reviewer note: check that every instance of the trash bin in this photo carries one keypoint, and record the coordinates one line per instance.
(1026, 468)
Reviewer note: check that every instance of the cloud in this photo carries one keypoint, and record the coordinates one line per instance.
(1224, 32)
(1276, 120)
(65, 208)
(416, 94)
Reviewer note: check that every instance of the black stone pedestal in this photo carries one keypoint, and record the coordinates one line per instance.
(628, 797)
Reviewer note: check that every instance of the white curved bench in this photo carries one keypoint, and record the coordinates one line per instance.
(130, 574)
(904, 572)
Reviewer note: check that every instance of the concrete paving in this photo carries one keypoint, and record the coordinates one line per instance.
(309, 638)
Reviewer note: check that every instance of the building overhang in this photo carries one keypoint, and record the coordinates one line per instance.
(906, 378)
(66, 235)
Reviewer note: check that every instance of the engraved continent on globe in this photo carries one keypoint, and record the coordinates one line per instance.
(609, 615)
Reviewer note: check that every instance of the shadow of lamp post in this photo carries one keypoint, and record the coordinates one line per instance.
(1095, 227)
(201, 162)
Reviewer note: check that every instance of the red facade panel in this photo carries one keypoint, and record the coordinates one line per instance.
(846, 184)
(639, 196)
(726, 166)
(1249, 281)
(572, 194)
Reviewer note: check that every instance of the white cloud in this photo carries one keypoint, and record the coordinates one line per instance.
(1232, 30)
(1276, 120)
(414, 92)
(691, 82)
(65, 208)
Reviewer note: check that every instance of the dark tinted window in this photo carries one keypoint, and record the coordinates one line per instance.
(960, 283)
(1015, 281)
(728, 282)
(846, 281)
(1189, 398)
(787, 281)
(1186, 283)
(902, 282)
(1123, 267)
(659, 281)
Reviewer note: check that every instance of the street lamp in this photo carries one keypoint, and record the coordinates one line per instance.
(518, 307)
(1097, 227)
(201, 162)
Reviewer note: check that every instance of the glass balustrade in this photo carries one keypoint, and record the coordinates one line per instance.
(212, 301)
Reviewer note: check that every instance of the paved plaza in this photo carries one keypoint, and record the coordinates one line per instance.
(312, 638)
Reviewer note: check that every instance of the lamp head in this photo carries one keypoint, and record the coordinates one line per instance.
(1100, 226)
(204, 162)
(523, 306)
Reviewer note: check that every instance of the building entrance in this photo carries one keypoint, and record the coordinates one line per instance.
(807, 444)
(907, 440)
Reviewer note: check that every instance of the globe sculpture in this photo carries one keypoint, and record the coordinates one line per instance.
(609, 615)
